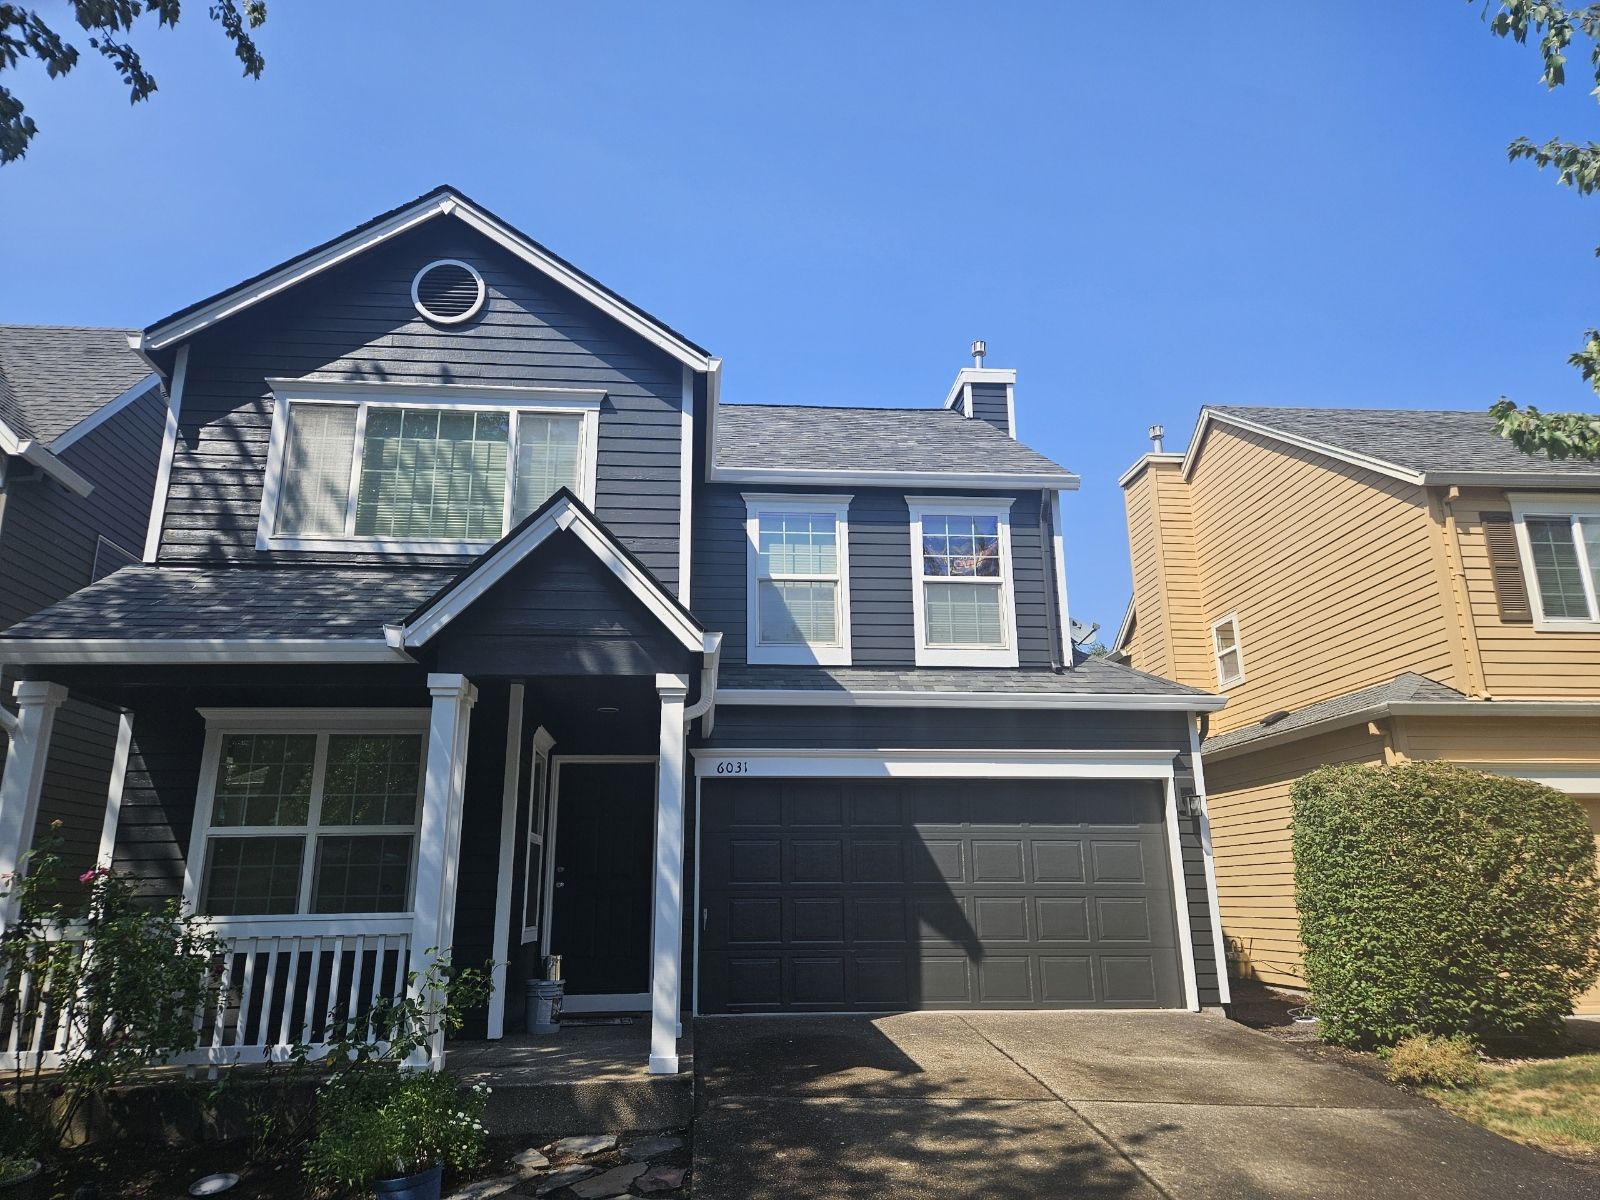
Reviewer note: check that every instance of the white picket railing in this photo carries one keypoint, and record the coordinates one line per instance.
(285, 982)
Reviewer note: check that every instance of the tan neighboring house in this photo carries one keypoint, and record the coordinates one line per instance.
(1367, 586)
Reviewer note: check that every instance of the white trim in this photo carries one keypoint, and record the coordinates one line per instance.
(666, 930)
(1366, 462)
(198, 650)
(169, 446)
(1125, 626)
(1058, 555)
(103, 414)
(314, 720)
(539, 827)
(562, 515)
(22, 782)
(686, 488)
(1180, 898)
(1224, 989)
(759, 504)
(1574, 780)
(1011, 410)
(1143, 461)
(450, 203)
(1004, 655)
(114, 788)
(583, 403)
(34, 452)
(789, 763)
(839, 477)
(967, 376)
(473, 310)
(1232, 620)
(817, 698)
(1557, 506)
(500, 948)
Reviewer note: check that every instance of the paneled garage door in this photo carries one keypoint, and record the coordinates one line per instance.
(830, 896)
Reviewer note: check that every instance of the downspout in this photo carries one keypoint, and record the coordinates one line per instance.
(706, 705)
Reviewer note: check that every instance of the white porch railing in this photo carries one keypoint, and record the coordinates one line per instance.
(285, 981)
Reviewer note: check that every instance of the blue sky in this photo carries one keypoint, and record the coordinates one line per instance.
(1291, 204)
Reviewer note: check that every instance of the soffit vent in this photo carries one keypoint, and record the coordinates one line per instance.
(448, 291)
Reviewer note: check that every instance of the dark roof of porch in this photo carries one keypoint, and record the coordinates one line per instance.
(1089, 676)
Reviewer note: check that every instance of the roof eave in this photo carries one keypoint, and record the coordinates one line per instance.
(884, 698)
(1511, 479)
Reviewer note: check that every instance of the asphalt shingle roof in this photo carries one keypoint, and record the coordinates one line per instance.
(53, 376)
(1090, 676)
(1406, 686)
(1422, 440)
(799, 437)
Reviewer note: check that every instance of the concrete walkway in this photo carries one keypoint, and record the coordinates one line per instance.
(1093, 1106)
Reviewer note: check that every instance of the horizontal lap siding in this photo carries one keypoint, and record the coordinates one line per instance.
(356, 322)
(945, 729)
(882, 632)
(158, 797)
(989, 404)
(1147, 649)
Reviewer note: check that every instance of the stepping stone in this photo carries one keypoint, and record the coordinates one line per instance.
(615, 1180)
(565, 1177)
(653, 1147)
(584, 1144)
(529, 1161)
(488, 1189)
(660, 1178)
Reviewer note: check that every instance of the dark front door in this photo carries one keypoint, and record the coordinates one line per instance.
(600, 918)
(828, 895)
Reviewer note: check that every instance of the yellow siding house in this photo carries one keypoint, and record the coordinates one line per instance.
(1366, 586)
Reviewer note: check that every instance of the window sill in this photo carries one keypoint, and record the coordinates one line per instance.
(798, 656)
(1547, 625)
(929, 656)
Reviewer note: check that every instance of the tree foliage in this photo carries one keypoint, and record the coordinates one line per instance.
(1556, 26)
(26, 34)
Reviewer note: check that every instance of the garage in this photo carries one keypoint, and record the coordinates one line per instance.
(839, 895)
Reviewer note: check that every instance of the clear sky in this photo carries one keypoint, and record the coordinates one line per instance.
(1272, 204)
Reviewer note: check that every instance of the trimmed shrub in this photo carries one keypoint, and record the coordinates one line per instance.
(1428, 1060)
(1434, 899)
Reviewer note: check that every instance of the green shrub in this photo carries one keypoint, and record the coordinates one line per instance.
(1430, 1060)
(1435, 899)
(386, 1124)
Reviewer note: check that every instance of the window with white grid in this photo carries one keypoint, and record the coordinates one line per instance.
(1226, 650)
(799, 579)
(1558, 538)
(962, 582)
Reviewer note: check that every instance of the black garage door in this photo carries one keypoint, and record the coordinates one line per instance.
(829, 896)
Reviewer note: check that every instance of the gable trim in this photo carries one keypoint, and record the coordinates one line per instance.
(33, 452)
(562, 513)
(1365, 462)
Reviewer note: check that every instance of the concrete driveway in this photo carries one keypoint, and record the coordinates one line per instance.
(1093, 1106)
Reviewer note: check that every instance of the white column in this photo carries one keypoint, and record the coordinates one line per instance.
(439, 839)
(24, 779)
(119, 777)
(501, 951)
(666, 972)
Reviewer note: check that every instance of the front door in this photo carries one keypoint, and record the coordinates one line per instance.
(601, 899)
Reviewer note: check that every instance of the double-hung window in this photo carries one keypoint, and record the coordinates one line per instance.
(962, 591)
(386, 468)
(798, 579)
(1558, 538)
(298, 815)
(1227, 652)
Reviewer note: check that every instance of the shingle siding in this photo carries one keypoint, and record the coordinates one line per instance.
(357, 323)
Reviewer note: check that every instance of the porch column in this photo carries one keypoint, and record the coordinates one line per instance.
(24, 780)
(439, 838)
(666, 974)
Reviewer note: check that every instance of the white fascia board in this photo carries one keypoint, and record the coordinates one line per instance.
(311, 388)
(104, 413)
(829, 477)
(449, 204)
(1510, 479)
(1365, 462)
(155, 651)
(813, 698)
(1125, 626)
(1006, 375)
(32, 452)
(1143, 461)
(762, 762)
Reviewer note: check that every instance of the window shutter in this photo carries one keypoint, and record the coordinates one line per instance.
(1505, 566)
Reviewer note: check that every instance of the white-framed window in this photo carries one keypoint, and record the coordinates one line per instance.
(798, 579)
(403, 468)
(533, 867)
(1226, 650)
(307, 812)
(1558, 538)
(962, 592)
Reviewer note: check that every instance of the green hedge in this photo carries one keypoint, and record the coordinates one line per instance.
(1435, 899)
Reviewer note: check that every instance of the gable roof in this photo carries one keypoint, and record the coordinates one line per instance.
(54, 377)
(775, 443)
(442, 201)
(1352, 708)
(1436, 447)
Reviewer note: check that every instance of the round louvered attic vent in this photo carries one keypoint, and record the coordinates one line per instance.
(448, 291)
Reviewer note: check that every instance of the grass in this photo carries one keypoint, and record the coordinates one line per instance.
(1550, 1103)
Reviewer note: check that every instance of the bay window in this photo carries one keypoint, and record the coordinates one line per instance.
(961, 582)
(359, 469)
(798, 579)
(1558, 538)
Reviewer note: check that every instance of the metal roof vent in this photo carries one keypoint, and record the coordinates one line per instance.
(448, 291)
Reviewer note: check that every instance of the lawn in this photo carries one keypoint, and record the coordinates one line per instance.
(1550, 1103)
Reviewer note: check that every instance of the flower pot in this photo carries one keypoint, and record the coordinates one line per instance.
(424, 1185)
(30, 1185)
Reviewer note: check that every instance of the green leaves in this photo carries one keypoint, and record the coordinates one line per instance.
(1556, 435)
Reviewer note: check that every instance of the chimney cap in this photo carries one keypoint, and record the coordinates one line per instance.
(1155, 434)
(980, 348)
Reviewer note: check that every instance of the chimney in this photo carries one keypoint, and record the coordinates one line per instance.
(985, 394)
(1157, 432)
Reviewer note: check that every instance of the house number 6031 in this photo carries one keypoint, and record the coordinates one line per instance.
(733, 766)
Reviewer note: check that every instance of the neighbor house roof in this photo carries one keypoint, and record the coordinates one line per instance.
(1366, 704)
(753, 439)
(53, 377)
(1432, 446)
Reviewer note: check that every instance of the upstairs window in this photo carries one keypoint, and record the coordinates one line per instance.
(799, 579)
(429, 476)
(1225, 647)
(962, 592)
(1558, 539)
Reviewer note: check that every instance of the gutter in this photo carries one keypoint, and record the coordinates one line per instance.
(706, 706)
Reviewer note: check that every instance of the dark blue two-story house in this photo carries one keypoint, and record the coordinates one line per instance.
(471, 616)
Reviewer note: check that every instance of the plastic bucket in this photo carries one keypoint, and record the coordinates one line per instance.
(424, 1185)
(544, 1005)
